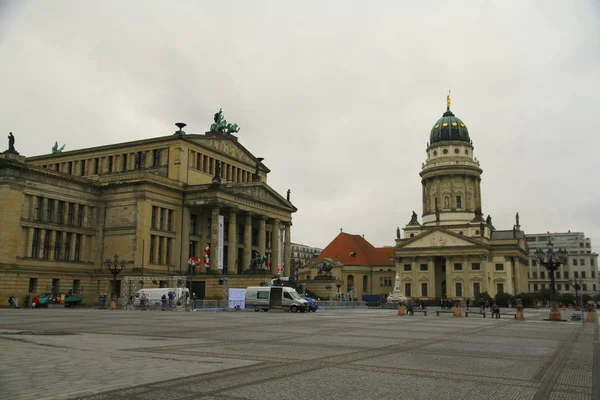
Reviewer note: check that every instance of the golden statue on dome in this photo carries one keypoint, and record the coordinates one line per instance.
(448, 102)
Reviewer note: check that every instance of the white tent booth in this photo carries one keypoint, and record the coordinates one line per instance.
(131, 284)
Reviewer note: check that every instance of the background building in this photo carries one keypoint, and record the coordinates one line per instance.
(454, 252)
(301, 254)
(582, 262)
(158, 203)
(350, 266)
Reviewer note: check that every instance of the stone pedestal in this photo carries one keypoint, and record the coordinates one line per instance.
(519, 315)
(554, 312)
(401, 310)
(458, 311)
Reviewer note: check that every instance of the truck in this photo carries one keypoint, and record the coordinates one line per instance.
(274, 297)
(69, 299)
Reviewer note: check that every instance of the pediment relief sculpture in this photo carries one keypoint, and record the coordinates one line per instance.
(229, 148)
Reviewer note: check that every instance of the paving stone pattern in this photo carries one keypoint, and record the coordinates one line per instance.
(330, 354)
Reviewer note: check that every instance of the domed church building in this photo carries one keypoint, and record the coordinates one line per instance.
(453, 251)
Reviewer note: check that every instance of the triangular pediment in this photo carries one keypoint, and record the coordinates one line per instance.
(225, 145)
(259, 191)
(439, 238)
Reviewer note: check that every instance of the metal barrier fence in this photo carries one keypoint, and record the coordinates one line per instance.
(239, 304)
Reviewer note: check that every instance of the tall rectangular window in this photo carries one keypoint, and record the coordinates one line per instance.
(500, 288)
(475, 267)
(458, 288)
(558, 286)
(55, 285)
(476, 289)
(67, 252)
(574, 261)
(542, 275)
(193, 246)
(124, 162)
(535, 287)
(458, 202)
(582, 261)
(424, 291)
(77, 247)
(70, 168)
(407, 291)
(60, 211)
(33, 284)
(80, 212)
(82, 166)
(576, 274)
(583, 274)
(38, 208)
(584, 287)
(170, 220)
(46, 250)
(534, 274)
(169, 248)
(193, 222)
(160, 250)
(499, 267)
(566, 274)
(58, 245)
(156, 158)
(153, 220)
(152, 248)
(161, 219)
(96, 166)
(407, 267)
(35, 243)
(110, 164)
(50, 210)
(76, 286)
(70, 212)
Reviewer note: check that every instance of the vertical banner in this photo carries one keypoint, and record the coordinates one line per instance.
(220, 249)
(280, 255)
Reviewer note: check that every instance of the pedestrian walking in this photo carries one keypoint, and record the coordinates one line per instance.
(163, 300)
(468, 304)
(12, 300)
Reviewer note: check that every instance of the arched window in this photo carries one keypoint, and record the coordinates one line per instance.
(365, 283)
(350, 283)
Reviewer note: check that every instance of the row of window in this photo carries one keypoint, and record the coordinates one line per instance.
(65, 246)
(162, 219)
(55, 288)
(534, 287)
(385, 281)
(229, 172)
(456, 266)
(108, 164)
(458, 289)
(58, 211)
(447, 205)
(574, 261)
(161, 250)
(576, 274)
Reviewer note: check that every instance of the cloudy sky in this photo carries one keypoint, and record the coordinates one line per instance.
(338, 96)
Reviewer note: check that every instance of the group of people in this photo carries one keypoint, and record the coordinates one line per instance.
(167, 301)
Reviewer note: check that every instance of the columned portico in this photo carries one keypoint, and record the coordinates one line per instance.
(232, 243)
(262, 234)
(214, 239)
(247, 239)
(287, 249)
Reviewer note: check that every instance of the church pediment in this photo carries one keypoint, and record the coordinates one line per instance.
(439, 238)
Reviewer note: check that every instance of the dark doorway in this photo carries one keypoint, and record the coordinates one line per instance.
(198, 288)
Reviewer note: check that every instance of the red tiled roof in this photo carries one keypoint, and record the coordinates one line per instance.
(366, 254)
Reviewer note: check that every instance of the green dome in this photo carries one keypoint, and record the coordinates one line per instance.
(449, 127)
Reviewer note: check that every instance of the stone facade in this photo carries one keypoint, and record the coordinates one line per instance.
(155, 202)
(454, 252)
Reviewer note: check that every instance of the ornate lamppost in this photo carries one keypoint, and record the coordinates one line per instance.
(551, 260)
(115, 267)
(338, 285)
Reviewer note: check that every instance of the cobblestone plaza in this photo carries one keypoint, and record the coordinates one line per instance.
(330, 354)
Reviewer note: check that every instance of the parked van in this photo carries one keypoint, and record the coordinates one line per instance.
(154, 296)
(265, 298)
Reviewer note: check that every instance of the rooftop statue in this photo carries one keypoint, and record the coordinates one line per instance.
(414, 219)
(55, 148)
(221, 126)
(11, 143)
(448, 102)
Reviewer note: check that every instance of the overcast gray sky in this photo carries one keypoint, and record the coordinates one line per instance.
(338, 96)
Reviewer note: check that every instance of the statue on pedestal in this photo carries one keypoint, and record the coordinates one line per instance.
(396, 295)
(11, 144)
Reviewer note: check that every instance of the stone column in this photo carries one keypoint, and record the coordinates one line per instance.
(156, 244)
(83, 248)
(449, 284)
(287, 255)
(432, 283)
(214, 239)
(232, 244)
(274, 245)
(30, 243)
(73, 243)
(185, 240)
(247, 240)
(42, 241)
(262, 235)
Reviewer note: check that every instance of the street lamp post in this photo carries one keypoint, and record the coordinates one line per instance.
(338, 285)
(577, 285)
(115, 267)
(552, 260)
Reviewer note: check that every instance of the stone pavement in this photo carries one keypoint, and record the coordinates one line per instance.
(330, 354)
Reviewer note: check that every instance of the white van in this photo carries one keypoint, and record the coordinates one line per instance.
(265, 298)
(154, 296)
